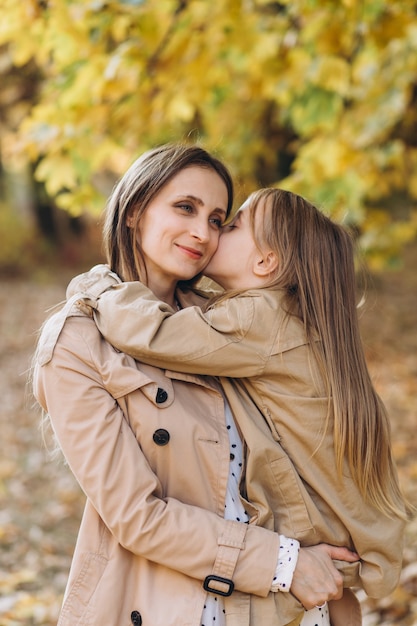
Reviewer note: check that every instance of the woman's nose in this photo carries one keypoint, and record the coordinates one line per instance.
(200, 230)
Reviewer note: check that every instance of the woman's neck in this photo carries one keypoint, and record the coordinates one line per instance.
(164, 292)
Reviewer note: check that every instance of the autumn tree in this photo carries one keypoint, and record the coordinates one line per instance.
(316, 96)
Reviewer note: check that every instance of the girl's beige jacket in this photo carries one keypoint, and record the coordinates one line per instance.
(273, 386)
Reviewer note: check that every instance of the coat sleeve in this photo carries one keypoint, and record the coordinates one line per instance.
(107, 461)
(133, 320)
(227, 341)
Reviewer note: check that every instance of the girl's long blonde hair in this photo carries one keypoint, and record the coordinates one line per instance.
(316, 269)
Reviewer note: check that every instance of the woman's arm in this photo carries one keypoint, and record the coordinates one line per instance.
(108, 463)
(112, 470)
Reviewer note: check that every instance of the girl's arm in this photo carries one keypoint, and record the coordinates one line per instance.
(136, 322)
(221, 342)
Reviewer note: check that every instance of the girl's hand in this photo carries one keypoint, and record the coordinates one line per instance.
(316, 580)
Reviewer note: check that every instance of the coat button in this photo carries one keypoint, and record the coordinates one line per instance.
(161, 396)
(136, 618)
(161, 437)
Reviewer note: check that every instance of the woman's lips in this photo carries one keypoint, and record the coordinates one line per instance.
(191, 252)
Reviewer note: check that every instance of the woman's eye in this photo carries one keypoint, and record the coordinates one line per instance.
(216, 221)
(186, 207)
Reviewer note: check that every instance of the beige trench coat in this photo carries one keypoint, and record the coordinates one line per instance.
(290, 466)
(150, 449)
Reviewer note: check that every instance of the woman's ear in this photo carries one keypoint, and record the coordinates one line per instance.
(266, 264)
(130, 221)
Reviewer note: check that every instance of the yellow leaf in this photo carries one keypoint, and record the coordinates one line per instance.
(57, 172)
(180, 108)
(332, 73)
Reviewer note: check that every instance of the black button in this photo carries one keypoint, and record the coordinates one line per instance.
(136, 618)
(161, 396)
(161, 437)
(232, 456)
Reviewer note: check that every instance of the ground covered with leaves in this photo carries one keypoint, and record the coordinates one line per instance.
(41, 505)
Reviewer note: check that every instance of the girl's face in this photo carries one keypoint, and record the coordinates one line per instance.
(232, 266)
(179, 230)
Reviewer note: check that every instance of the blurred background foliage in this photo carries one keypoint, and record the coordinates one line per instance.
(316, 96)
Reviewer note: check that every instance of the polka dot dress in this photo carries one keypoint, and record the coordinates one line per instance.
(316, 617)
(214, 613)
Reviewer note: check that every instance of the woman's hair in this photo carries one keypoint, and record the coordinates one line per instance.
(316, 269)
(136, 189)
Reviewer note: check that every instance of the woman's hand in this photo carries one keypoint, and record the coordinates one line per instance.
(316, 580)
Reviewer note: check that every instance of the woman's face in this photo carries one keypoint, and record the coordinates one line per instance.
(179, 230)
(232, 264)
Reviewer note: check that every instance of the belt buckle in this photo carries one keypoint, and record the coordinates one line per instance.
(219, 579)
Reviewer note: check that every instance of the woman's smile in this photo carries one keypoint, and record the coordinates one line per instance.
(191, 252)
(180, 228)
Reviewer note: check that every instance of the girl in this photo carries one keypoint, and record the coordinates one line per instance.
(151, 448)
(286, 329)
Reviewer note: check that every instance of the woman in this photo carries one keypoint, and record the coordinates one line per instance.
(151, 448)
(287, 330)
